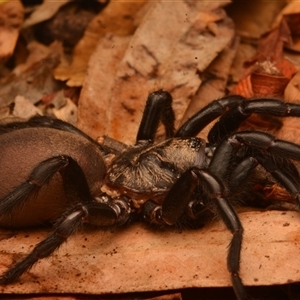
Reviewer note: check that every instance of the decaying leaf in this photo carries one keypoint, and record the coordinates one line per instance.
(98, 84)
(291, 15)
(117, 18)
(34, 79)
(44, 12)
(170, 59)
(215, 80)
(268, 72)
(145, 260)
(11, 18)
(254, 18)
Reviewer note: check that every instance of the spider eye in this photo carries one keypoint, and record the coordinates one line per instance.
(195, 143)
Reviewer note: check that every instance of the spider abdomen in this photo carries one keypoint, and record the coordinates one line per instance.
(22, 150)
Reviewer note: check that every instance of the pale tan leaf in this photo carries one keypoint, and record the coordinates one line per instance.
(98, 84)
(144, 260)
(170, 59)
(215, 79)
(44, 12)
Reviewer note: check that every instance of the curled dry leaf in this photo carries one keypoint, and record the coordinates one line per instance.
(268, 72)
(11, 18)
(37, 53)
(139, 259)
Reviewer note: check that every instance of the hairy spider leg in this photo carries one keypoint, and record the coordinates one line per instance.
(207, 114)
(264, 142)
(85, 209)
(288, 176)
(180, 194)
(46, 247)
(230, 121)
(39, 177)
(178, 198)
(239, 110)
(158, 108)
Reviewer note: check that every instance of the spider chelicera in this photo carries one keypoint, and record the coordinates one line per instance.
(71, 179)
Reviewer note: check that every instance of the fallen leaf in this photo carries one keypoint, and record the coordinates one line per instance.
(35, 81)
(11, 18)
(169, 59)
(98, 84)
(118, 17)
(24, 108)
(290, 14)
(254, 18)
(147, 260)
(268, 72)
(44, 12)
(215, 80)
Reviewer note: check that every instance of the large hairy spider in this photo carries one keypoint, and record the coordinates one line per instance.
(69, 179)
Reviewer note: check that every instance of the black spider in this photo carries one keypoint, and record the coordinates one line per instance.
(52, 170)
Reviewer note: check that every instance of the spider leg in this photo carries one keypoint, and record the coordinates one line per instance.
(40, 176)
(284, 177)
(239, 110)
(101, 211)
(178, 198)
(206, 115)
(45, 248)
(231, 120)
(75, 184)
(158, 108)
(284, 172)
(233, 223)
(174, 203)
(288, 175)
(265, 143)
(104, 214)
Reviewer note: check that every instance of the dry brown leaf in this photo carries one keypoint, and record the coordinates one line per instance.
(268, 72)
(24, 109)
(293, 23)
(290, 129)
(44, 12)
(11, 18)
(139, 259)
(98, 84)
(215, 79)
(118, 17)
(253, 18)
(35, 81)
(37, 53)
(168, 59)
(291, 14)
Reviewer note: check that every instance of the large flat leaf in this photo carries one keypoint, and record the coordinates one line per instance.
(139, 259)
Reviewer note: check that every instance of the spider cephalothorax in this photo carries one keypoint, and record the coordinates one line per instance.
(71, 179)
